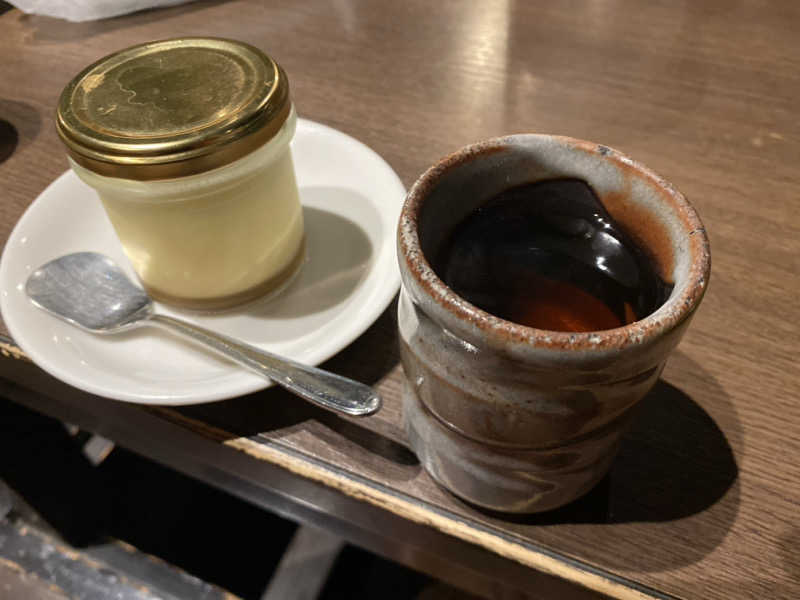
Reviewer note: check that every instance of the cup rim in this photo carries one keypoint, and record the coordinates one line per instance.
(456, 310)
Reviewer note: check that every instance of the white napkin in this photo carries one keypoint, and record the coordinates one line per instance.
(88, 10)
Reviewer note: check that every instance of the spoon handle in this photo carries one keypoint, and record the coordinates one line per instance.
(329, 390)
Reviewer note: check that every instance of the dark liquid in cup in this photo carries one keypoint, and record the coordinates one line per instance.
(548, 255)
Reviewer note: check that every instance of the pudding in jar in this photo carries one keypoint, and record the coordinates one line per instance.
(186, 143)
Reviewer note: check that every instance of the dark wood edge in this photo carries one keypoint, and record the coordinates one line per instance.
(359, 488)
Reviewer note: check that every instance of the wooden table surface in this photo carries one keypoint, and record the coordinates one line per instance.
(703, 499)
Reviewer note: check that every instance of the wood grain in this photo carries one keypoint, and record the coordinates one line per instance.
(703, 499)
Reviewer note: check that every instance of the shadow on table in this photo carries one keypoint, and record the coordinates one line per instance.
(8, 140)
(19, 124)
(674, 463)
(275, 414)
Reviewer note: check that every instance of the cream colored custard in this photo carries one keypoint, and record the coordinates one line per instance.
(216, 238)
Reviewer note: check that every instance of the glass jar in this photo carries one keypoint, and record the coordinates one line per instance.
(186, 142)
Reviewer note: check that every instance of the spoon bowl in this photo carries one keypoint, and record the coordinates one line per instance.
(90, 291)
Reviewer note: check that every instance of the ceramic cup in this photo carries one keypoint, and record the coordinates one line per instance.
(518, 419)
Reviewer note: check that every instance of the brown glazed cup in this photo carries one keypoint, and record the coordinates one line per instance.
(518, 419)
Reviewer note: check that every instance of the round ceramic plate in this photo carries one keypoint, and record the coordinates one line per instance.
(351, 201)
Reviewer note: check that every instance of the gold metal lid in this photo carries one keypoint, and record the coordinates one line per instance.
(172, 108)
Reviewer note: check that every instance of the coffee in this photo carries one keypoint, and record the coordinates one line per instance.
(548, 255)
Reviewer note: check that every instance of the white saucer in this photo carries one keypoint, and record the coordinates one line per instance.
(352, 201)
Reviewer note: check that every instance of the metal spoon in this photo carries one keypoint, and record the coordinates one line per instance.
(88, 290)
